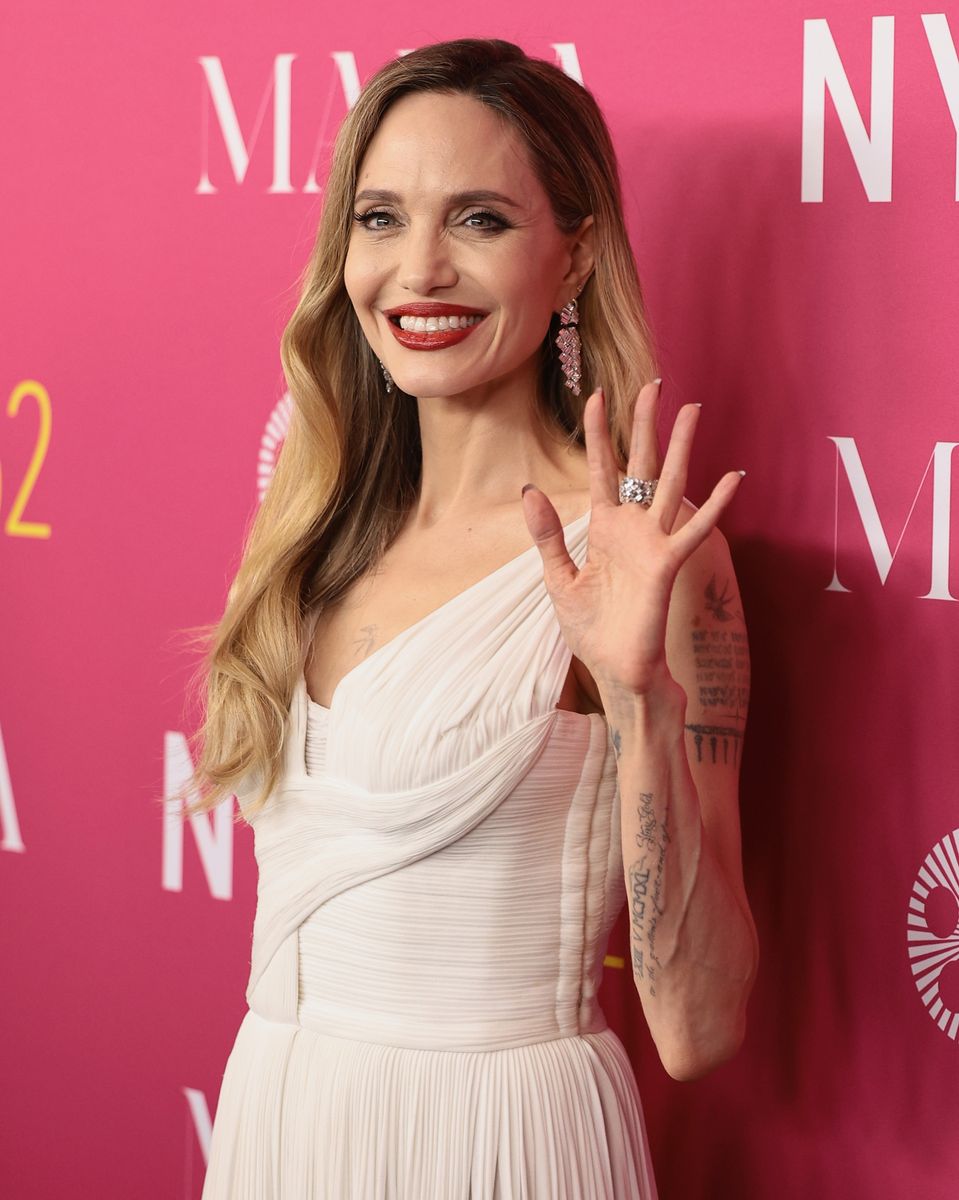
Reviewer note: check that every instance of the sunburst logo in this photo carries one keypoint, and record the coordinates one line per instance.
(271, 443)
(933, 933)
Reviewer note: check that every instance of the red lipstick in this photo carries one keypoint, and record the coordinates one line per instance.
(432, 339)
(432, 308)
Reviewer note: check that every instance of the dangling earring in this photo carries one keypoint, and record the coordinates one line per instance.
(387, 376)
(569, 344)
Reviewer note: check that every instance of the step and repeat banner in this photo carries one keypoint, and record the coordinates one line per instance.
(792, 191)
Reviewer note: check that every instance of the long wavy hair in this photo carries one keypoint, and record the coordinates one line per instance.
(349, 469)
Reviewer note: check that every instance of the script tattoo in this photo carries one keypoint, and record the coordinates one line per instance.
(647, 821)
(721, 655)
(646, 890)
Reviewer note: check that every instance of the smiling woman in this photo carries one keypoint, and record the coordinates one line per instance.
(451, 681)
(471, 247)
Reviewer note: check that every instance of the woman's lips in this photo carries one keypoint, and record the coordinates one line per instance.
(431, 339)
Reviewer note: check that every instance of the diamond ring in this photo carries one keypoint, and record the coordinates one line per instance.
(637, 491)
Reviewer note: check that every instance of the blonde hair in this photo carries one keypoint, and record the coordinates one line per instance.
(350, 464)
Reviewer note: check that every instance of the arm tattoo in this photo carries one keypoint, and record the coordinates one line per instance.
(717, 602)
(711, 736)
(721, 656)
(645, 890)
(647, 822)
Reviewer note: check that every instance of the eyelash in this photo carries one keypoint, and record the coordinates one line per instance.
(498, 222)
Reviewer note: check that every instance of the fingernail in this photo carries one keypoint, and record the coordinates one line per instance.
(526, 487)
(742, 472)
(657, 382)
(698, 403)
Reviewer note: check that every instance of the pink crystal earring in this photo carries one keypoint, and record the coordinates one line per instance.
(569, 344)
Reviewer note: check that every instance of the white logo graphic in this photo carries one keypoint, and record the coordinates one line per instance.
(9, 822)
(932, 949)
(941, 462)
(202, 1121)
(871, 152)
(214, 841)
(271, 443)
(239, 149)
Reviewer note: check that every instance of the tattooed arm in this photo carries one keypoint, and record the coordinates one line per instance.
(649, 583)
(694, 948)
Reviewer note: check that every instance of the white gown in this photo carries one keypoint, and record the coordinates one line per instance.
(439, 871)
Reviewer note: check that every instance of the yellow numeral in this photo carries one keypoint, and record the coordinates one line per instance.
(13, 525)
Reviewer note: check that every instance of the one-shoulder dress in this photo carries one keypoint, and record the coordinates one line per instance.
(439, 871)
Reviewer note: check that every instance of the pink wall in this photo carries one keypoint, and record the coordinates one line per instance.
(816, 324)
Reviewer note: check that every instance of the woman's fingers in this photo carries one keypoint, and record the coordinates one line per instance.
(672, 477)
(603, 472)
(702, 522)
(643, 462)
(546, 530)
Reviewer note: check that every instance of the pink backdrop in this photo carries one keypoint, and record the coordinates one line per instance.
(791, 185)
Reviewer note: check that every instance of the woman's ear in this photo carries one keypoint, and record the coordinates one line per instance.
(581, 259)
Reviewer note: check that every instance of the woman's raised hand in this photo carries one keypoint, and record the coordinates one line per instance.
(612, 611)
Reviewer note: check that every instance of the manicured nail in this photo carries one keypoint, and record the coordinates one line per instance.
(698, 403)
(657, 382)
(742, 472)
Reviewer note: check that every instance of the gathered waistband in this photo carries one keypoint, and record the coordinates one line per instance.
(438, 1038)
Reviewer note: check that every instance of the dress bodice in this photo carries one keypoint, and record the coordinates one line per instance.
(441, 864)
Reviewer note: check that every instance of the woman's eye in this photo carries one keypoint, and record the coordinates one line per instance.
(377, 219)
(495, 222)
(362, 218)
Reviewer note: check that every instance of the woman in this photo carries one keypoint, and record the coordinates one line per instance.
(458, 737)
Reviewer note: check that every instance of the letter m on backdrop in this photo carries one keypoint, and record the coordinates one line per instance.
(847, 456)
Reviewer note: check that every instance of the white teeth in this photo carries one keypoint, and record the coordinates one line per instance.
(434, 324)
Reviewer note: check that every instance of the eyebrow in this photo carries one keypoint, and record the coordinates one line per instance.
(472, 197)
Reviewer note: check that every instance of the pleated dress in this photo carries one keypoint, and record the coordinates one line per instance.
(439, 871)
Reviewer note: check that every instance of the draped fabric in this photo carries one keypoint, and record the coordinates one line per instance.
(439, 871)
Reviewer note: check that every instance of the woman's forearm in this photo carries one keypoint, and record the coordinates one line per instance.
(693, 946)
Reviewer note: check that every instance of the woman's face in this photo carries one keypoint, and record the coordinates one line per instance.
(430, 243)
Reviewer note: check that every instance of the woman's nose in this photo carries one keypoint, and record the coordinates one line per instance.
(425, 261)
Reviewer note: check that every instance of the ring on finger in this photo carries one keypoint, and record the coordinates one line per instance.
(637, 491)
